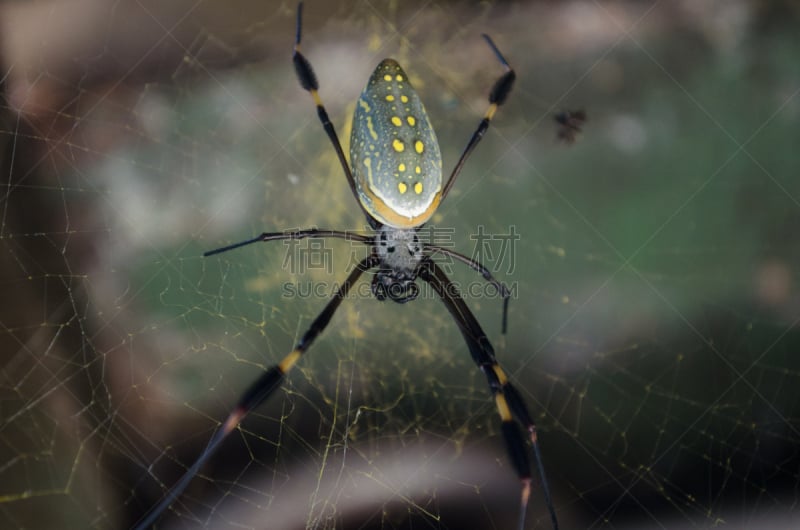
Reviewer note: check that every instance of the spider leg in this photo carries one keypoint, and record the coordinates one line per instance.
(483, 271)
(295, 234)
(498, 95)
(508, 400)
(260, 390)
(308, 80)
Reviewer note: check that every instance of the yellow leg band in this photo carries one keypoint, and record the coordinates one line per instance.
(490, 112)
(501, 375)
(289, 361)
(502, 407)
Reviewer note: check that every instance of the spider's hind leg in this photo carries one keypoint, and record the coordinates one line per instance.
(259, 390)
(510, 405)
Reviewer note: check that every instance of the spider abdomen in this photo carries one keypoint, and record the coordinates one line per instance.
(394, 154)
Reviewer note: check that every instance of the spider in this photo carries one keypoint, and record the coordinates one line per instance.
(395, 173)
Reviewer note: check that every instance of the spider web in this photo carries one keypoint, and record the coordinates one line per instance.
(652, 331)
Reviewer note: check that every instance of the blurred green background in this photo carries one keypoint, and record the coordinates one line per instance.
(653, 327)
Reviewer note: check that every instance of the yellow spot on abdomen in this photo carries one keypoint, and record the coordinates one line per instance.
(404, 98)
(371, 128)
(419, 147)
(417, 170)
(401, 168)
(402, 187)
(399, 77)
(390, 98)
(396, 121)
(418, 188)
(411, 121)
(398, 145)
(387, 77)
(368, 165)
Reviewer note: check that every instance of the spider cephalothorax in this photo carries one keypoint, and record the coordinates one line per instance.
(400, 253)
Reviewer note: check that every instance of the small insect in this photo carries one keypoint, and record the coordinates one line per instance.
(570, 123)
(395, 173)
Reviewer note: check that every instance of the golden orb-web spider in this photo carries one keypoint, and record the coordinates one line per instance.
(397, 178)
